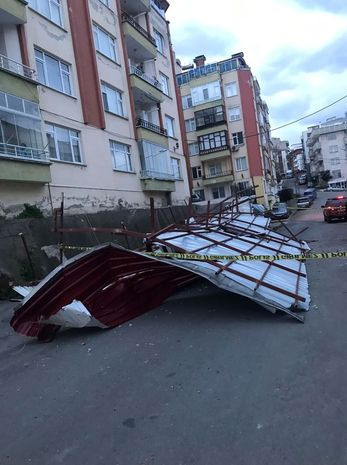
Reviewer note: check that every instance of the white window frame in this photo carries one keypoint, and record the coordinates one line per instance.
(186, 99)
(335, 161)
(112, 44)
(62, 72)
(159, 40)
(165, 83)
(241, 163)
(214, 170)
(190, 125)
(235, 137)
(105, 2)
(231, 89)
(218, 188)
(198, 171)
(176, 168)
(35, 5)
(51, 129)
(119, 111)
(196, 145)
(115, 147)
(233, 117)
(170, 126)
(333, 148)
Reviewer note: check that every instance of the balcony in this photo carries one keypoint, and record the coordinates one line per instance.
(146, 90)
(23, 164)
(157, 181)
(219, 177)
(213, 153)
(140, 44)
(13, 12)
(17, 68)
(18, 79)
(206, 119)
(135, 7)
(152, 133)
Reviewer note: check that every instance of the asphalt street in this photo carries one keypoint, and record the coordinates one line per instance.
(206, 379)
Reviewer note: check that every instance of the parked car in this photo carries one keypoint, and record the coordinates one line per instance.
(335, 208)
(303, 202)
(311, 193)
(279, 212)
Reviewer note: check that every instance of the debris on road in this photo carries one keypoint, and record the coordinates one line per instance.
(108, 284)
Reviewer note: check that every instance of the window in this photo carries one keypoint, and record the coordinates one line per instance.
(231, 89)
(213, 141)
(105, 2)
(331, 136)
(336, 174)
(113, 99)
(190, 125)
(159, 40)
(53, 72)
(210, 116)
(20, 131)
(234, 114)
(193, 149)
(214, 170)
(196, 172)
(201, 193)
(187, 101)
(207, 92)
(242, 186)
(164, 81)
(241, 164)
(333, 148)
(51, 9)
(176, 168)
(237, 138)
(121, 156)
(218, 192)
(104, 42)
(63, 144)
(170, 126)
(335, 161)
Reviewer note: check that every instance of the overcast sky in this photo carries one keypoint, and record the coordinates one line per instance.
(296, 48)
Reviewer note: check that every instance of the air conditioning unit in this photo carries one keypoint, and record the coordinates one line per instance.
(234, 148)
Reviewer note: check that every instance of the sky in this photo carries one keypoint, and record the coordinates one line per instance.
(297, 49)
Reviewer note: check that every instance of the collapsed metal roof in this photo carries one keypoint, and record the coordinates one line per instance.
(108, 284)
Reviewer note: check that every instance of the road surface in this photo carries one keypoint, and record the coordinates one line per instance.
(206, 379)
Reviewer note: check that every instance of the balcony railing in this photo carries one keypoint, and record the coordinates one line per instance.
(152, 174)
(218, 174)
(154, 82)
(142, 123)
(18, 68)
(213, 150)
(22, 152)
(129, 19)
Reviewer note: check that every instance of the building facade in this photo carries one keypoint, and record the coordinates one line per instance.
(88, 106)
(326, 146)
(227, 130)
(280, 150)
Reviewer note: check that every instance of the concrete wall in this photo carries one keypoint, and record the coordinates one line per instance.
(14, 265)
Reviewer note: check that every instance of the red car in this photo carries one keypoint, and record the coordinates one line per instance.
(335, 208)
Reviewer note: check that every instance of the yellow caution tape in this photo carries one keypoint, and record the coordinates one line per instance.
(249, 258)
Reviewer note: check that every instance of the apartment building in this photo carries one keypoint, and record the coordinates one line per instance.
(280, 151)
(326, 147)
(88, 106)
(227, 130)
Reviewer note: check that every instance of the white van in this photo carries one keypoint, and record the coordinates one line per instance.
(339, 184)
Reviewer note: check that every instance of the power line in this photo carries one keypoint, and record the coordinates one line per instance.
(291, 122)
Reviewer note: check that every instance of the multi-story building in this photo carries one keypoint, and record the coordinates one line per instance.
(227, 129)
(88, 105)
(326, 145)
(280, 152)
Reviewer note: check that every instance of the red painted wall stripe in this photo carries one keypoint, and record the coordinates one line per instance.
(85, 57)
(250, 121)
